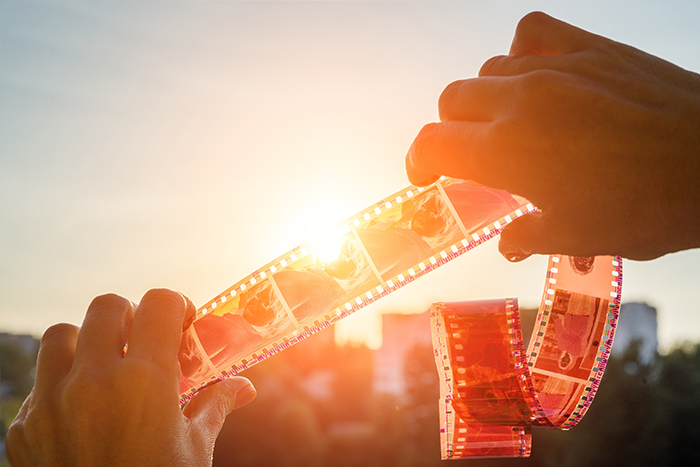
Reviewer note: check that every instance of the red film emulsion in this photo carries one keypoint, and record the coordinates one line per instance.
(492, 391)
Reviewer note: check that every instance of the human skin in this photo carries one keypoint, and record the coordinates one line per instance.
(603, 138)
(94, 406)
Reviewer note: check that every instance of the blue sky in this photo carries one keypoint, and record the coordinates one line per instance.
(184, 144)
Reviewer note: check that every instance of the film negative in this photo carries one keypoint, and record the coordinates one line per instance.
(492, 392)
(373, 253)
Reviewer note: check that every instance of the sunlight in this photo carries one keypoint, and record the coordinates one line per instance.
(327, 246)
(362, 328)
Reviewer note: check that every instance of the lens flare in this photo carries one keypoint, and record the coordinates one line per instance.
(327, 246)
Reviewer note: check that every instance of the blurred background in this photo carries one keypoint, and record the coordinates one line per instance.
(323, 404)
(184, 144)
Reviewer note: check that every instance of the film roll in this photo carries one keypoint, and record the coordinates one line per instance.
(492, 392)
(368, 256)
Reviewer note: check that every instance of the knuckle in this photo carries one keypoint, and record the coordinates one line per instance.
(532, 21)
(59, 331)
(164, 296)
(15, 443)
(83, 396)
(419, 157)
(539, 83)
(15, 433)
(529, 28)
(448, 94)
(109, 301)
(426, 139)
(171, 303)
(133, 370)
(136, 376)
(80, 389)
(448, 99)
(493, 66)
(502, 132)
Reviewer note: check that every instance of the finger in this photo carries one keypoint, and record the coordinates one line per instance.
(515, 65)
(157, 326)
(105, 330)
(454, 149)
(208, 409)
(539, 34)
(22, 413)
(218, 400)
(56, 352)
(17, 450)
(190, 315)
(475, 100)
(527, 235)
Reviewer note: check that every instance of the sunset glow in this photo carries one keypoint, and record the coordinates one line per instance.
(186, 144)
(327, 247)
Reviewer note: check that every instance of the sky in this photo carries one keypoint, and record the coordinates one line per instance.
(184, 144)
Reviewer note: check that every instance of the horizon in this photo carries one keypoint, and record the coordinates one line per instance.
(186, 144)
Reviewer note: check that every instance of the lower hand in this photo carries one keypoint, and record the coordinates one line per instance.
(94, 406)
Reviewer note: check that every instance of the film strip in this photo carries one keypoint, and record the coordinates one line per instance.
(373, 253)
(492, 392)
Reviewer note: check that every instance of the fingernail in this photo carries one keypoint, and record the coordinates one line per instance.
(245, 396)
(515, 254)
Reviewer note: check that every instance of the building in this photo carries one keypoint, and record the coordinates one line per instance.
(28, 343)
(637, 323)
(400, 334)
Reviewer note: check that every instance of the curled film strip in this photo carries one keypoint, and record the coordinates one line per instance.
(368, 256)
(492, 392)
(371, 254)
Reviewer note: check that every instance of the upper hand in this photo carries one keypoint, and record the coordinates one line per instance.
(603, 138)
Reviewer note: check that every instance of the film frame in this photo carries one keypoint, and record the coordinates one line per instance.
(385, 246)
(551, 384)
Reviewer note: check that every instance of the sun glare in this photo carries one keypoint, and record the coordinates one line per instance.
(327, 246)
(362, 328)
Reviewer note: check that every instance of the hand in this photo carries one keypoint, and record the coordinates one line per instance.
(603, 138)
(94, 406)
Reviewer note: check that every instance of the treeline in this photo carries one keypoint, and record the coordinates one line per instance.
(316, 407)
(643, 415)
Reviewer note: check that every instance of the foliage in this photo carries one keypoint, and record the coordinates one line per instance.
(16, 368)
(16, 380)
(642, 415)
(316, 407)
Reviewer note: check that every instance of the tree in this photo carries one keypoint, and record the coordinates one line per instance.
(16, 368)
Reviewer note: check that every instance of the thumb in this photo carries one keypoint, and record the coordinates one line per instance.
(525, 236)
(539, 34)
(208, 408)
